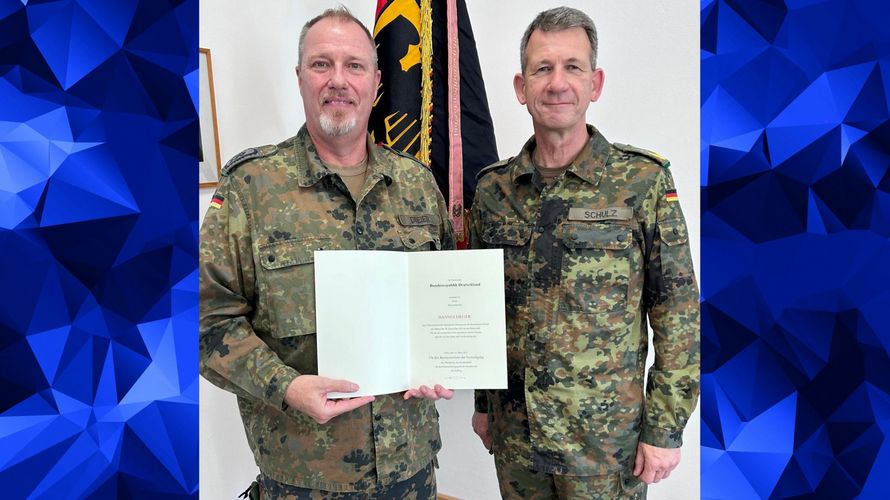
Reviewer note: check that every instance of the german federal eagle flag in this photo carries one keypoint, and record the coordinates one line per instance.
(431, 102)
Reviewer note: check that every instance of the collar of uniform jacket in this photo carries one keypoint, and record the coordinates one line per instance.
(310, 169)
(588, 165)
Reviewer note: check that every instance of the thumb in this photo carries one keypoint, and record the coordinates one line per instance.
(340, 386)
(638, 463)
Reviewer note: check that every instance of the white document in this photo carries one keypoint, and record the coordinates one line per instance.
(390, 321)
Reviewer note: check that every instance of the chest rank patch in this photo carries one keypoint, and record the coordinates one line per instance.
(595, 214)
(217, 201)
(671, 195)
(419, 220)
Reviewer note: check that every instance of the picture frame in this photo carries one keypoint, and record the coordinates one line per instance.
(209, 164)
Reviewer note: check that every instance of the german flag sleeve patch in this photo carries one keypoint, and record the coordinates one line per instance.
(217, 201)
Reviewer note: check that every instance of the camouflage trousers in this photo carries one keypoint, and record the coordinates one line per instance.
(517, 482)
(420, 486)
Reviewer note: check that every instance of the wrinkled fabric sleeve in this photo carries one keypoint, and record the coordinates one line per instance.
(233, 357)
(672, 299)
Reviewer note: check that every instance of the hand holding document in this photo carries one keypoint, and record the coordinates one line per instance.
(392, 321)
(309, 395)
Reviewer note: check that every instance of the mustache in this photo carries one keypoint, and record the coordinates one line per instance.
(337, 95)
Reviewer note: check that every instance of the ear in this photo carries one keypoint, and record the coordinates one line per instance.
(376, 80)
(598, 78)
(519, 87)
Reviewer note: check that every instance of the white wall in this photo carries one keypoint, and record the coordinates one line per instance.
(650, 53)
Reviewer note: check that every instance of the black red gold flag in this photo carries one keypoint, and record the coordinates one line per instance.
(431, 102)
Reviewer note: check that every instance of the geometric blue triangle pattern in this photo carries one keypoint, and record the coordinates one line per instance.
(98, 237)
(795, 155)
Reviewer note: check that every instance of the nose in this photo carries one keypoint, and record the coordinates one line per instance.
(558, 82)
(337, 78)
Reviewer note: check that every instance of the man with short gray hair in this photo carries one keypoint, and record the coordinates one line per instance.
(595, 246)
(327, 188)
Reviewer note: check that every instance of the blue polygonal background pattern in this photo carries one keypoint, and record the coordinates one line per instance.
(98, 237)
(795, 138)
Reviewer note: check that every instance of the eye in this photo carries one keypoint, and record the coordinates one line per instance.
(543, 69)
(319, 64)
(354, 66)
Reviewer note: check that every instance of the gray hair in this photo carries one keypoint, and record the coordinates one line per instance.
(559, 19)
(342, 14)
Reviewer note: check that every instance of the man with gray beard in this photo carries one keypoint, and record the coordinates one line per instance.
(327, 188)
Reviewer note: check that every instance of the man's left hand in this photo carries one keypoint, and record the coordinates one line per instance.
(654, 464)
(436, 393)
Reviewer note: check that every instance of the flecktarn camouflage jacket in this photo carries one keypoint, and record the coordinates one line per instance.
(591, 258)
(257, 312)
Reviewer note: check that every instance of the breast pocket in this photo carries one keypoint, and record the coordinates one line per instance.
(287, 285)
(595, 267)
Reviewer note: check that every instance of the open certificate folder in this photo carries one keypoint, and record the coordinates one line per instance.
(390, 321)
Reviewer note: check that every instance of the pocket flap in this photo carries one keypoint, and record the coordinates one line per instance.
(413, 239)
(287, 253)
(603, 236)
(506, 234)
(673, 232)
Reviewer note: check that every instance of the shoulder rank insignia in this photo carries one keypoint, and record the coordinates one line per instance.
(661, 160)
(494, 166)
(401, 153)
(246, 155)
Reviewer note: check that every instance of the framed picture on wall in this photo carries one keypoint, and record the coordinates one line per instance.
(208, 152)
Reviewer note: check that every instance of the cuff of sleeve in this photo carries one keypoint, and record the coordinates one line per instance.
(278, 384)
(481, 402)
(661, 438)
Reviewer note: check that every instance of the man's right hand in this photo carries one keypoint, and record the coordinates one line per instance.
(480, 427)
(309, 395)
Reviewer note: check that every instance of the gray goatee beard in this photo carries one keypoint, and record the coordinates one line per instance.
(335, 128)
